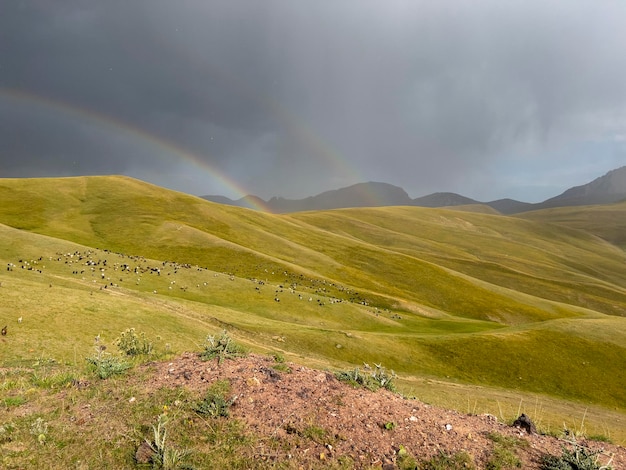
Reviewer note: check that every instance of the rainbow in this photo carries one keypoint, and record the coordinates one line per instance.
(294, 125)
(135, 133)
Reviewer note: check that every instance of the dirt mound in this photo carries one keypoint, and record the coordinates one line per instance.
(319, 418)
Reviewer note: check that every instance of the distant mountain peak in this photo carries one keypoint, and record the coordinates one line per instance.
(370, 194)
(606, 189)
(603, 190)
(443, 199)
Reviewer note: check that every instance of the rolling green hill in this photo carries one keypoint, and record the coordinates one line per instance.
(472, 298)
(607, 221)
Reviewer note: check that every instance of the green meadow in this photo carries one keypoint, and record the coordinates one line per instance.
(475, 311)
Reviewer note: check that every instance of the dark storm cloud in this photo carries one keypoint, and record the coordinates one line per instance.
(424, 94)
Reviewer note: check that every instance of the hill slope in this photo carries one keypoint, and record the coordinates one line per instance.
(476, 298)
(607, 221)
(280, 415)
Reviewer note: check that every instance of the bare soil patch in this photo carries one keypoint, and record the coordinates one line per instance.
(315, 418)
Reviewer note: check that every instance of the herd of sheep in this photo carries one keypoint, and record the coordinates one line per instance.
(106, 270)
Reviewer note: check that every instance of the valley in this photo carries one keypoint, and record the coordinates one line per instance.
(474, 311)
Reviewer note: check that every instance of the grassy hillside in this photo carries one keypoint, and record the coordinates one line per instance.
(605, 221)
(466, 297)
(541, 260)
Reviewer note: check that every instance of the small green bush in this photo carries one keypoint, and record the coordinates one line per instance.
(579, 457)
(165, 457)
(315, 433)
(53, 380)
(503, 458)
(506, 441)
(459, 461)
(280, 363)
(39, 429)
(215, 403)
(14, 401)
(6, 432)
(405, 460)
(384, 379)
(379, 378)
(503, 455)
(222, 348)
(105, 365)
(133, 344)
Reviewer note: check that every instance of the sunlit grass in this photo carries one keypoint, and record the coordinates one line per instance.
(465, 297)
(606, 220)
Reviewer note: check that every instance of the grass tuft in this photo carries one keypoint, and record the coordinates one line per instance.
(165, 457)
(503, 455)
(222, 348)
(578, 457)
(373, 380)
(458, 461)
(215, 403)
(104, 364)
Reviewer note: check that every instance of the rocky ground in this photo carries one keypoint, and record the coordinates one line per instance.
(317, 418)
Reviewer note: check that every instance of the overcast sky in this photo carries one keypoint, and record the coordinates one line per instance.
(485, 98)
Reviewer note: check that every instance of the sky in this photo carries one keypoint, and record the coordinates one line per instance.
(485, 98)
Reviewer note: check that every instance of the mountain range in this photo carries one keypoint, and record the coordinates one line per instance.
(606, 189)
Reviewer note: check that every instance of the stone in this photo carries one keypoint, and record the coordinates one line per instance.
(144, 453)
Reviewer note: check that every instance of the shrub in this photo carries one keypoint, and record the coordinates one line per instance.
(503, 452)
(579, 457)
(280, 364)
(503, 458)
(14, 401)
(51, 381)
(103, 364)
(106, 366)
(6, 431)
(384, 379)
(222, 348)
(379, 378)
(165, 457)
(215, 403)
(458, 461)
(405, 460)
(39, 428)
(133, 344)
